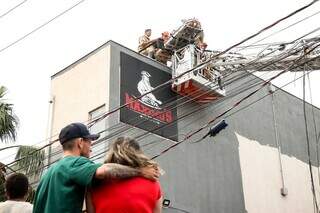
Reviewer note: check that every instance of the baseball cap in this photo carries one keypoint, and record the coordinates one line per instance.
(76, 130)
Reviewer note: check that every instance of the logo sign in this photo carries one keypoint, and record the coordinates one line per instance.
(156, 110)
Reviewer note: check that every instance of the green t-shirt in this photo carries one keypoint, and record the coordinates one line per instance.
(62, 188)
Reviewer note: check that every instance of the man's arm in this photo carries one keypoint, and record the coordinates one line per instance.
(117, 171)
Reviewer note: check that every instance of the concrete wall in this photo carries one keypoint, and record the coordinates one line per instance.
(262, 180)
(236, 171)
(80, 88)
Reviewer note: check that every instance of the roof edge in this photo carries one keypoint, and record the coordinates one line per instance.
(109, 42)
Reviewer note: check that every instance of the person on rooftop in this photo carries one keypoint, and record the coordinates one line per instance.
(62, 188)
(133, 195)
(161, 54)
(146, 45)
(16, 186)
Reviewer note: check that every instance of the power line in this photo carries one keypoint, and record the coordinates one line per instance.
(236, 111)
(0, 51)
(111, 135)
(97, 142)
(281, 30)
(265, 83)
(9, 147)
(159, 86)
(226, 115)
(41, 26)
(129, 128)
(180, 117)
(293, 13)
(308, 146)
(277, 89)
(18, 159)
(108, 137)
(226, 83)
(139, 137)
(315, 128)
(198, 67)
(256, 101)
(259, 99)
(126, 128)
(235, 105)
(13, 8)
(201, 65)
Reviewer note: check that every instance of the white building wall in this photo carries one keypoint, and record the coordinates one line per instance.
(80, 89)
(261, 177)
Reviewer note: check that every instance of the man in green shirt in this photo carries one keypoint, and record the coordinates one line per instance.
(62, 188)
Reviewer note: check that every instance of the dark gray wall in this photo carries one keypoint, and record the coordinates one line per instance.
(200, 177)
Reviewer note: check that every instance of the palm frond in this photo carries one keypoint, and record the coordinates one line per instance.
(8, 120)
(31, 164)
(2, 181)
(31, 194)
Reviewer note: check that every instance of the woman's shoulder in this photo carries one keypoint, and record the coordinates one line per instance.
(145, 181)
(142, 179)
(134, 181)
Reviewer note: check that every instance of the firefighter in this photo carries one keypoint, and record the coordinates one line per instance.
(161, 54)
(202, 46)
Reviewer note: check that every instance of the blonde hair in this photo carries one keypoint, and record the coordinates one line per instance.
(126, 151)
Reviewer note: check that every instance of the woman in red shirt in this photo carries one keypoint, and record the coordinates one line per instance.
(134, 195)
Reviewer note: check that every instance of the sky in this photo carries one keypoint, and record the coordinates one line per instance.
(28, 57)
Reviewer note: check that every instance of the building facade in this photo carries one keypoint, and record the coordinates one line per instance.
(259, 163)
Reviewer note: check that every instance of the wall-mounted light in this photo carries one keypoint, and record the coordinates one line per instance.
(166, 203)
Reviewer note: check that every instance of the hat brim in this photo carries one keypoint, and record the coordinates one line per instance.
(92, 137)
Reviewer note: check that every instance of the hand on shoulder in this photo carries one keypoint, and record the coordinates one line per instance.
(150, 172)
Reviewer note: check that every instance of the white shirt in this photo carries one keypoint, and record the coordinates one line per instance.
(11, 206)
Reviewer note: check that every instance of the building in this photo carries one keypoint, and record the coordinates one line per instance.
(259, 163)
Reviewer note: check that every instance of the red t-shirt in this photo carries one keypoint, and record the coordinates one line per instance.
(126, 196)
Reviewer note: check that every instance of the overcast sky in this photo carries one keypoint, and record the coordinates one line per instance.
(27, 65)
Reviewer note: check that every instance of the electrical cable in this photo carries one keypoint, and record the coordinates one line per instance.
(41, 26)
(246, 105)
(211, 58)
(291, 14)
(315, 127)
(308, 147)
(153, 130)
(249, 104)
(261, 31)
(179, 118)
(121, 131)
(231, 114)
(108, 137)
(13, 8)
(293, 53)
(206, 62)
(235, 105)
(281, 30)
(96, 142)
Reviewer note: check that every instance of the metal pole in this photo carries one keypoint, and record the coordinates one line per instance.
(284, 190)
